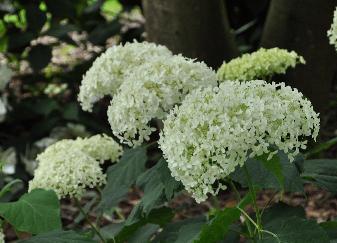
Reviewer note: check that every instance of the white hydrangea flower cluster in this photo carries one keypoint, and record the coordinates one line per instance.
(261, 64)
(145, 80)
(152, 90)
(332, 32)
(110, 70)
(70, 166)
(217, 129)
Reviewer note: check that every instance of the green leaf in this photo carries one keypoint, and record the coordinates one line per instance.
(39, 56)
(273, 166)
(122, 175)
(282, 211)
(268, 176)
(184, 231)
(35, 212)
(158, 185)
(330, 227)
(294, 230)
(59, 237)
(144, 233)
(159, 216)
(218, 227)
(322, 172)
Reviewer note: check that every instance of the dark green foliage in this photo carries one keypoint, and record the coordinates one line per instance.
(277, 173)
(322, 172)
(35, 212)
(217, 228)
(122, 175)
(158, 185)
(59, 237)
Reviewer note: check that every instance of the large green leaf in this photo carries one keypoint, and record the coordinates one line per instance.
(330, 228)
(122, 175)
(159, 216)
(294, 230)
(290, 226)
(277, 173)
(218, 227)
(184, 231)
(35, 212)
(144, 233)
(322, 172)
(282, 211)
(158, 185)
(59, 237)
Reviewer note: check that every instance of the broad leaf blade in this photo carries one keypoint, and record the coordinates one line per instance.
(322, 172)
(181, 231)
(158, 185)
(59, 237)
(294, 230)
(265, 178)
(218, 227)
(122, 175)
(35, 212)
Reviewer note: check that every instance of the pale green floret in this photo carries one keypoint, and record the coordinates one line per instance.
(332, 32)
(217, 129)
(151, 91)
(262, 64)
(110, 69)
(70, 166)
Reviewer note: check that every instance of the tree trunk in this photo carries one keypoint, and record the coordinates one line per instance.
(301, 25)
(197, 29)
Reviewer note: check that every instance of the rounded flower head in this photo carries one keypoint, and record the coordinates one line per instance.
(332, 32)
(217, 129)
(110, 70)
(70, 166)
(151, 91)
(261, 64)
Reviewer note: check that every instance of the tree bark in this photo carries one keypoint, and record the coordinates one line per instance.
(197, 29)
(301, 25)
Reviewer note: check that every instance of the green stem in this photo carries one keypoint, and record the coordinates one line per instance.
(238, 198)
(256, 208)
(89, 222)
(7, 187)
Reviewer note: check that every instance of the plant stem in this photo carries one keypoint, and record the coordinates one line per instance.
(89, 222)
(238, 198)
(256, 208)
(7, 187)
